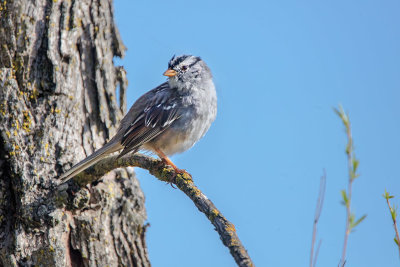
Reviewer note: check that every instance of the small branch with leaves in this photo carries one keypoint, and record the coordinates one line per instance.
(184, 182)
(352, 165)
(393, 213)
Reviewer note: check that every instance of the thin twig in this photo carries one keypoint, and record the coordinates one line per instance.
(395, 227)
(393, 214)
(317, 252)
(349, 153)
(318, 210)
(184, 182)
(352, 166)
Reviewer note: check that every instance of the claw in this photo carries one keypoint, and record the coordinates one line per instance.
(166, 161)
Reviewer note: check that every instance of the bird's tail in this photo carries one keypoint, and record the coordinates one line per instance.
(108, 148)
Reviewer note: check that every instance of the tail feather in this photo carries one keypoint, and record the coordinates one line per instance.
(108, 148)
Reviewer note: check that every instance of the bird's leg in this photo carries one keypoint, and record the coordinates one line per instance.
(167, 161)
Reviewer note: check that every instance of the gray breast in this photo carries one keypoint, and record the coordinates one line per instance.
(199, 110)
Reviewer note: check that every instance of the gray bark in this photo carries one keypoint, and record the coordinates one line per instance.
(58, 103)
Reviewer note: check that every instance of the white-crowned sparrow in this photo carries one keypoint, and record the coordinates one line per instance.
(169, 119)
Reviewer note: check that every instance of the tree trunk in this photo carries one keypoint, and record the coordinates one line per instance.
(58, 103)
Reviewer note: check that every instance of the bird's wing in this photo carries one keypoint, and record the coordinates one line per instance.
(154, 113)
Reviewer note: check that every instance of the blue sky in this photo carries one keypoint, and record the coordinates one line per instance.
(279, 67)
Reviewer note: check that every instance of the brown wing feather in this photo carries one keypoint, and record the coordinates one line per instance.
(155, 118)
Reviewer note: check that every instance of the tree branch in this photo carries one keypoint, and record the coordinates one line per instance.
(184, 182)
(393, 213)
(318, 210)
(352, 166)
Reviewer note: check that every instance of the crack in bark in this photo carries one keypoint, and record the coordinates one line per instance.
(75, 256)
(8, 199)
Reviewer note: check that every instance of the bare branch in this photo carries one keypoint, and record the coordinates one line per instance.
(317, 252)
(184, 182)
(318, 210)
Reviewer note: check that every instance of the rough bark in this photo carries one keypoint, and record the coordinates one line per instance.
(58, 103)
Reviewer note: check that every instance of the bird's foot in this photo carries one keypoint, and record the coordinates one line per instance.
(166, 161)
(172, 179)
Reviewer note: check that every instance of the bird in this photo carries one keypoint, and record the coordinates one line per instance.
(166, 120)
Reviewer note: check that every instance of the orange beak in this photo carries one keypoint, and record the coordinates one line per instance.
(170, 73)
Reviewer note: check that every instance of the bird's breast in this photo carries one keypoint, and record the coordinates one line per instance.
(198, 112)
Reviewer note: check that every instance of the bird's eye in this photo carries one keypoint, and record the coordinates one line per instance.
(184, 67)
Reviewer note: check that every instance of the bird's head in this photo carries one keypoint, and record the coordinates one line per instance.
(186, 71)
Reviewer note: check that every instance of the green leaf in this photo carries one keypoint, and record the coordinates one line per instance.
(387, 195)
(337, 112)
(359, 220)
(348, 149)
(355, 164)
(351, 219)
(343, 116)
(353, 175)
(344, 196)
(393, 212)
(395, 241)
